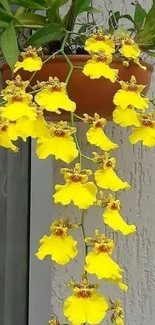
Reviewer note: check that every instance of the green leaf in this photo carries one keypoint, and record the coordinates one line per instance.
(82, 5)
(51, 32)
(9, 45)
(57, 4)
(3, 24)
(128, 17)
(139, 15)
(5, 17)
(32, 4)
(147, 35)
(53, 18)
(6, 5)
(113, 20)
(76, 8)
(33, 21)
(53, 12)
(19, 11)
(85, 27)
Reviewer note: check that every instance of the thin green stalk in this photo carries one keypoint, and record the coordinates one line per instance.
(83, 230)
(75, 139)
(78, 67)
(64, 41)
(69, 75)
(78, 117)
(86, 157)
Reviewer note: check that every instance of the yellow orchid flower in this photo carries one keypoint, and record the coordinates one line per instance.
(117, 313)
(30, 60)
(106, 177)
(129, 49)
(76, 189)
(86, 305)
(5, 140)
(53, 96)
(99, 261)
(18, 105)
(99, 42)
(58, 142)
(60, 246)
(96, 136)
(113, 219)
(18, 102)
(126, 117)
(14, 85)
(98, 67)
(146, 132)
(130, 94)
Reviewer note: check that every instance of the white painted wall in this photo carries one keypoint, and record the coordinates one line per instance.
(135, 254)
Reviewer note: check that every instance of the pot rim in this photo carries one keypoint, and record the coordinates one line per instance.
(84, 58)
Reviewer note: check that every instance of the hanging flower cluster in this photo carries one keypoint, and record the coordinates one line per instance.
(22, 116)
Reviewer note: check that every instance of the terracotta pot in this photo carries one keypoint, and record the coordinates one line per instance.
(90, 95)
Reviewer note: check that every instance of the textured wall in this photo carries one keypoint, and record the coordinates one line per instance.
(135, 254)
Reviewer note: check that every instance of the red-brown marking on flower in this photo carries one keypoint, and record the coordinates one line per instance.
(128, 42)
(114, 206)
(59, 232)
(98, 124)
(84, 294)
(100, 38)
(59, 133)
(76, 178)
(56, 88)
(17, 99)
(102, 59)
(133, 88)
(109, 164)
(103, 249)
(4, 128)
(147, 123)
(29, 55)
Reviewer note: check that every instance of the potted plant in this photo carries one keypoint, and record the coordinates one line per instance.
(22, 115)
(23, 27)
